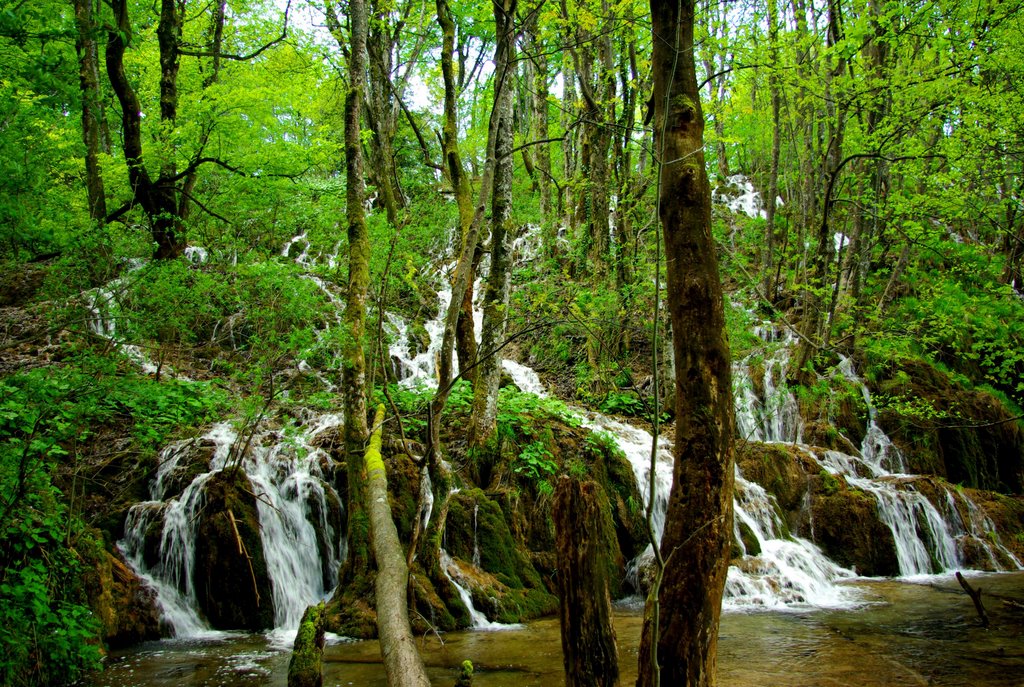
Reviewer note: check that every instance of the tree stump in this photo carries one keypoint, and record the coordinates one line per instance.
(305, 668)
(585, 606)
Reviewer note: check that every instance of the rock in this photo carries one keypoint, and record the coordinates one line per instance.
(231, 580)
(125, 607)
(849, 531)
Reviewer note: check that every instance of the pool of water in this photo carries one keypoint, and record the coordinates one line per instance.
(903, 633)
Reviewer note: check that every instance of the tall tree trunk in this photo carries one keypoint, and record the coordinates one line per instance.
(768, 256)
(485, 392)
(535, 49)
(354, 365)
(86, 46)
(698, 525)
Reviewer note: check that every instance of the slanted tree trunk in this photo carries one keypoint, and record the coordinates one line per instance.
(698, 525)
(354, 366)
(485, 392)
(584, 593)
(402, 661)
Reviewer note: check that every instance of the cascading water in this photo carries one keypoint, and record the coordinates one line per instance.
(926, 541)
(293, 501)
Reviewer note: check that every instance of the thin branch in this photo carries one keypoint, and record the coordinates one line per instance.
(243, 58)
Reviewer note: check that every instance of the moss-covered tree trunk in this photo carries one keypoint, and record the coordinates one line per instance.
(585, 604)
(354, 366)
(485, 392)
(92, 106)
(402, 660)
(698, 525)
(305, 669)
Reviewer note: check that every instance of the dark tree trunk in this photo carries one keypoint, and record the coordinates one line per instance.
(158, 199)
(92, 106)
(698, 525)
(585, 604)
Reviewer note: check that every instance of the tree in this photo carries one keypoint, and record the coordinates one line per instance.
(485, 391)
(354, 365)
(681, 642)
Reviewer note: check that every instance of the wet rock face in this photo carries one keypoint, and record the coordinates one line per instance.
(504, 583)
(125, 607)
(849, 531)
(231, 581)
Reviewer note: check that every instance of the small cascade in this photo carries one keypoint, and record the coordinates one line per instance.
(876, 449)
(104, 312)
(293, 501)
(477, 619)
(972, 529)
(773, 415)
(781, 570)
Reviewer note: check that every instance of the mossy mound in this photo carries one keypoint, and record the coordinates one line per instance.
(125, 607)
(848, 529)
(231, 580)
(500, 575)
(967, 436)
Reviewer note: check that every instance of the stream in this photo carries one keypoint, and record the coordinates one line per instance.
(922, 633)
(792, 615)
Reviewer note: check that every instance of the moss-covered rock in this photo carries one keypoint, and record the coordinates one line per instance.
(967, 436)
(847, 528)
(505, 585)
(125, 607)
(230, 576)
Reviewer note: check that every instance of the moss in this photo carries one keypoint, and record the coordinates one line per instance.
(849, 531)
(465, 678)
(305, 667)
(749, 539)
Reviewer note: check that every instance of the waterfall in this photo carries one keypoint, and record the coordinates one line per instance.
(774, 415)
(478, 621)
(293, 501)
(784, 570)
(926, 541)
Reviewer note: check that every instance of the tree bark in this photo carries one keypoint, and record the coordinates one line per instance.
(157, 198)
(485, 392)
(92, 106)
(402, 661)
(354, 366)
(698, 526)
(585, 603)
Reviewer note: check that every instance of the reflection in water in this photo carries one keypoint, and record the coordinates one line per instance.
(906, 634)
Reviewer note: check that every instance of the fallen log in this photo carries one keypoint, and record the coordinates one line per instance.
(402, 662)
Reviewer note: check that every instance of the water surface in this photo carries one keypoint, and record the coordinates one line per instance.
(922, 633)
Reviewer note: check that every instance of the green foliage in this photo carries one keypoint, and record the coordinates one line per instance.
(622, 403)
(47, 632)
(535, 461)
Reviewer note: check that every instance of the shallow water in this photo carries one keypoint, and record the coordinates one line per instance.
(922, 633)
